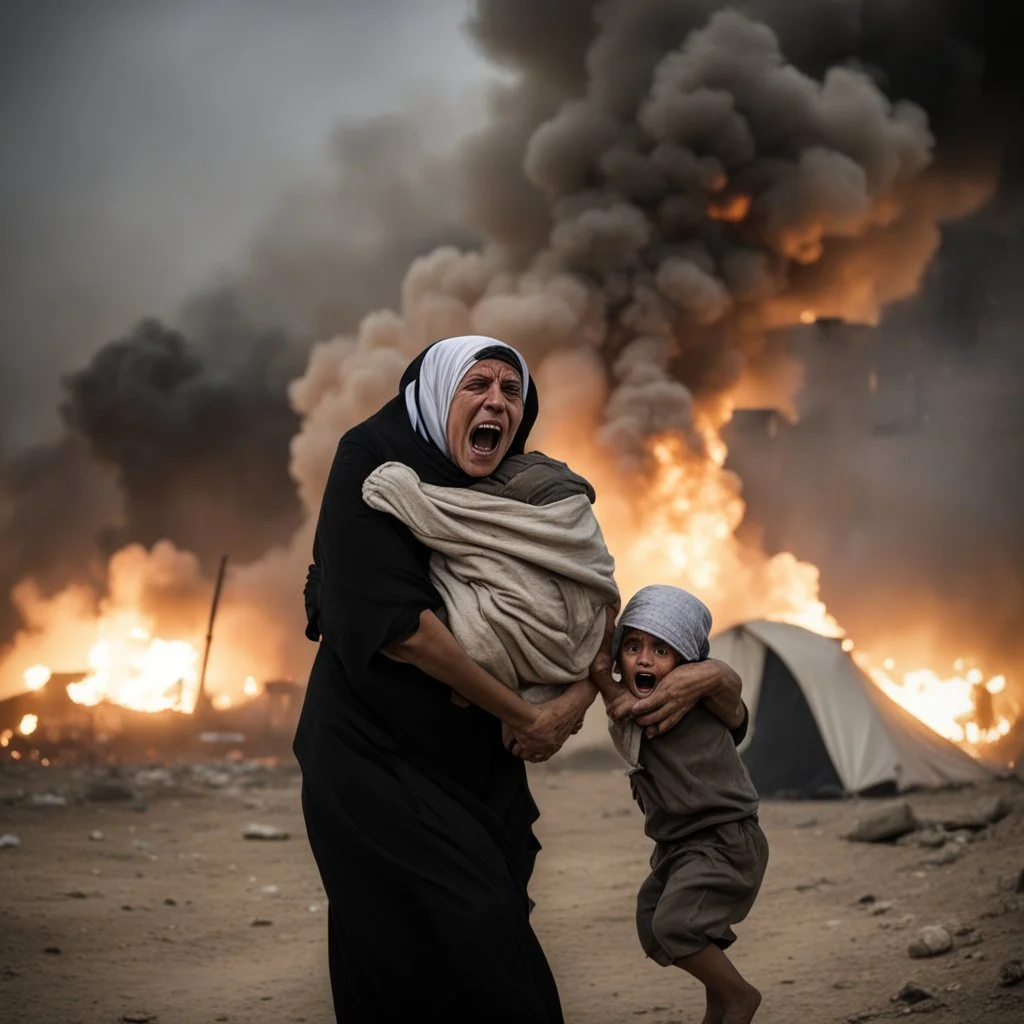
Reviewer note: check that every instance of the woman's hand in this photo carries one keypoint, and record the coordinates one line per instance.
(683, 688)
(601, 667)
(555, 722)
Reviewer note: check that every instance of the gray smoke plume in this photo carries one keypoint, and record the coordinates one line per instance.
(181, 427)
(662, 190)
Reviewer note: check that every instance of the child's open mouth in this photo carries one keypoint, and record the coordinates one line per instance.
(645, 682)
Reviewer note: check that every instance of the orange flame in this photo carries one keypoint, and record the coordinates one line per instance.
(28, 724)
(732, 208)
(683, 531)
(36, 677)
(137, 671)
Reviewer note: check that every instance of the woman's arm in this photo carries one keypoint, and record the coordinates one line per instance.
(539, 730)
(710, 681)
(603, 663)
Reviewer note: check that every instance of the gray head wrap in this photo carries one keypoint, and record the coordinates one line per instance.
(673, 615)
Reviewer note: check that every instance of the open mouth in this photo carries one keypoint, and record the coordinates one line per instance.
(485, 438)
(645, 682)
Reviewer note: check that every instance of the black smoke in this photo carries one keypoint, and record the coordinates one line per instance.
(180, 427)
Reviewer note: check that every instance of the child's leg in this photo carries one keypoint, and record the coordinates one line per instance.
(731, 999)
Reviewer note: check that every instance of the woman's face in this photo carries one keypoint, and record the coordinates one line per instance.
(484, 416)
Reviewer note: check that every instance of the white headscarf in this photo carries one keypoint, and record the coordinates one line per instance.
(671, 614)
(428, 399)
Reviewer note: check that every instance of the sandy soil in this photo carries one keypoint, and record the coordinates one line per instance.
(172, 916)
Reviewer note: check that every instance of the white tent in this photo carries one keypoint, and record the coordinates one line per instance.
(819, 726)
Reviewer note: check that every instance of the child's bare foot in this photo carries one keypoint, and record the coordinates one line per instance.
(742, 1009)
(713, 1011)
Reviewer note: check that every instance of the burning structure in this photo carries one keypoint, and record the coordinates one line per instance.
(666, 194)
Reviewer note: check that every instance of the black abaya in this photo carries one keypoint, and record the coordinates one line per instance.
(419, 819)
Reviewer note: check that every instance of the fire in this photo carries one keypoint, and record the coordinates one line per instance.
(36, 677)
(808, 316)
(682, 530)
(28, 724)
(138, 671)
(142, 646)
(732, 208)
(957, 706)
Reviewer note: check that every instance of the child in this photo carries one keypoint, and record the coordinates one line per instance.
(520, 563)
(700, 809)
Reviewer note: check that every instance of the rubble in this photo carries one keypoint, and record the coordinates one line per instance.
(1011, 973)
(47, 800)
(974, 819)
(268, 832)
(932, 940)
(912, 994)
(9, 841)
(884, 825)
(110, 790)
(947, 855)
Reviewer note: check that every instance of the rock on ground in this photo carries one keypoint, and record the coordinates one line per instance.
(884, 825)
(932, 940)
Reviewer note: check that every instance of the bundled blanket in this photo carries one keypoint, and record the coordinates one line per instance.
(520, 563)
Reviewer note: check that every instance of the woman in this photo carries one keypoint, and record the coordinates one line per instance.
(418, 817)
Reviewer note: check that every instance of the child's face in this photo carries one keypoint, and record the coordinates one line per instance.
(644, 661)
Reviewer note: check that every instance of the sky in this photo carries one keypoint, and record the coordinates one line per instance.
(144, 142)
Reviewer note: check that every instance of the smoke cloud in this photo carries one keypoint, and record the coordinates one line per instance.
(661, 193)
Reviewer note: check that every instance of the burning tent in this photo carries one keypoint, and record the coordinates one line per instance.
(820, 727)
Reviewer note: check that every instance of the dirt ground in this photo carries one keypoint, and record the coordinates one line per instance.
(159, 910)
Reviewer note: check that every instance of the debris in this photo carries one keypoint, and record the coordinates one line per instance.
(137, 1018)
(96, 835)
(884, 825)
(866, 898)
(947, 855)
(260, 922)
(931, 837)
(109, 790)
(270, 890)
(255, 831)
(880, 908)
(911, 994)
(9, 841)
(976, 818)
(53, 950)
(170, 902)
(47, 800)
(814, 883)
(932, 940)
(1011, 973)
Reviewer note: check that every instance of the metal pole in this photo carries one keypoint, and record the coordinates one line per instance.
(202, 698)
